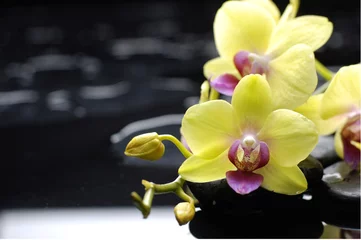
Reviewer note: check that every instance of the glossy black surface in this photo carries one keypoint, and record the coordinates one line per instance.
(73, 74)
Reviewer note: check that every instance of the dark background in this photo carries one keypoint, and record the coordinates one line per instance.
(73, 74)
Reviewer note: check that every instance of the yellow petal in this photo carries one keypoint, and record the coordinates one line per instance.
(311, 30)
(252, 101)
(338, 143)
(268, 5)
(240, 25)
(343, 93)
(198, 169)
(311, 110)
(209, 128)
(292, 77)
(284, 180)
(218, 66)
(289, 135)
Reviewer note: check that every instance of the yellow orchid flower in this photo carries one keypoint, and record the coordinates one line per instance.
(338, 109)
(247, 142)
(249, 39)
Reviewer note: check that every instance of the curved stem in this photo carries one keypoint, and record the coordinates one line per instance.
(324, 71)
(144, 205)
(184, 196)
(173, 187)
(177, 143)
(164, 188)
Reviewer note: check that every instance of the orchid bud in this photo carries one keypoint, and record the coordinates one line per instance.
(184, 212)
(146, 146)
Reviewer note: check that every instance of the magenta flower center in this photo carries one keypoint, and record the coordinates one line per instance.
(250, 63)
(248, 154)
(351, 132)
(352, 129)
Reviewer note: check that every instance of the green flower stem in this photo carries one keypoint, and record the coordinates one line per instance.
(324, 71)
(176, 187)
(322, 88)
(180, 193)
(164, 188)
(214, 94)
(204, 92)
(177, 143)
(148, 197)
(144, 205)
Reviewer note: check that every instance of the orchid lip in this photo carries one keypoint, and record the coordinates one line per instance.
(250, 63)
(351, 132)
(225, 84)
(249, 154)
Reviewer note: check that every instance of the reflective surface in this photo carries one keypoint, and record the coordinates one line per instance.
(74, 76)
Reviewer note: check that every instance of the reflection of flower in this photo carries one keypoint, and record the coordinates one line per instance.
(247, 142)
(339, 109)
(250, 40)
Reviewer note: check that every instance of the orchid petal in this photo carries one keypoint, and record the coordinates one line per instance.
(292, 77)
(198, 169)
(311, 110)
(284, 180)
(269, 6)
(244, 182)
(313, 31)
(289, 135)
(218, 66)
(252, 101)
(225, 84)
(343, 94)
(209, 128)
(240, 25)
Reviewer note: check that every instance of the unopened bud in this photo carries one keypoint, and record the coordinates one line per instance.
(147, 146)
(184, 212)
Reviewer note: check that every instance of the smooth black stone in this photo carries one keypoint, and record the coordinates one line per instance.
(218, 196)
(339, 202)
(325, 151)
(313, 170)
(259, 225)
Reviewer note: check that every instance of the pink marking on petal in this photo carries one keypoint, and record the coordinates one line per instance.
(263, 155)
(351, 154)
(351, 132)
(232, 152)
(243, 182)
(242, 63)
(248, 159)
(225, 84)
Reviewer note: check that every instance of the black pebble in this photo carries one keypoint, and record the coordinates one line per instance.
(258, 225)
(339, 202)
(218, 196)
(325, 151)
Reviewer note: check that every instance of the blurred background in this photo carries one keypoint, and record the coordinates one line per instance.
(77, 81)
